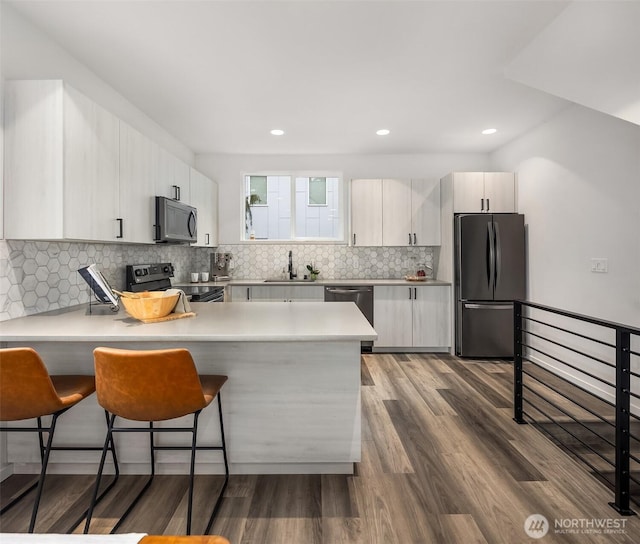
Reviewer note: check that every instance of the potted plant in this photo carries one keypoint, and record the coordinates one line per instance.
(248, 216)
(313, 272)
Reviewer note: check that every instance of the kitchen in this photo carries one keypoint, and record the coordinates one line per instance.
(576, 168)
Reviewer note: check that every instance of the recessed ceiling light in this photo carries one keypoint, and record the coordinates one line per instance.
(489, 131)
(382, 132)
(277, 132)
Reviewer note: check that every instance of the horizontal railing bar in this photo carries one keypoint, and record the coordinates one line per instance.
(634, 395)
(569, 332)
(634, 353)
(601, 418)
(634, 374)
(570, 416)
(605, 401)
(634, 479)
(637, 418)
(634, 437)
(566, 364)
(569, 432)
(631, 456)
(592, 357)
(580, 317)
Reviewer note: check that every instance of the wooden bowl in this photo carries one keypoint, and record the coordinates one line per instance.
(149, 304)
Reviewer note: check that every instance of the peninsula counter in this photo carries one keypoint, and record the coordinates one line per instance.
(291, 405)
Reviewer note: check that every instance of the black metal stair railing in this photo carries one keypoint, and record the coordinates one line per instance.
(574, 378)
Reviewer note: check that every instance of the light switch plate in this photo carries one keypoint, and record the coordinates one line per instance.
(599, 264)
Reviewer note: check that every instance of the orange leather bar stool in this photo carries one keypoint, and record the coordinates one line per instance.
(151, 386)
(28, 391)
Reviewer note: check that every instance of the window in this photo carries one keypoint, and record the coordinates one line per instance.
(292, 206)
(317, 191)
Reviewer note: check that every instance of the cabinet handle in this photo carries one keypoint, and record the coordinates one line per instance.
(354, 238)
(488, 207)
(176, 192)
(482, 204)
(409, 238)
(248, 293)
(415, 240)
(409, 293)
(120, 221)
(415, 293)
(206, 239)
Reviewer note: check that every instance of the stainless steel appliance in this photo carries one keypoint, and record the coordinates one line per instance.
(157, 277)
(175, 221)
(220, 266)
(362, 295)
(490, 274)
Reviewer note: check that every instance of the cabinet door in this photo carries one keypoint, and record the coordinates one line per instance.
(366, 212)
(431, 316)
(306, 293)
(239, 293)
(468, 192)
(499, 192)
(392, 316)
(173, 177)
(204, 197)
(33, 179)
(425, 212)
(138, 171)
(90, 169)
(396, 213)
(273, 293)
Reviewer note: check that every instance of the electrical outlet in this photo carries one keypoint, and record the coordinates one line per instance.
(600, 265)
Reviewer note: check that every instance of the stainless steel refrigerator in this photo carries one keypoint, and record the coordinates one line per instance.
(490, 275)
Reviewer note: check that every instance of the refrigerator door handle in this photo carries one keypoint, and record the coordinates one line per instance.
(488, 306)
(492, 256)
(496, 226)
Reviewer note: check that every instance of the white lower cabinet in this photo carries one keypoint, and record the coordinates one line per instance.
(412, 317)
(275, 293)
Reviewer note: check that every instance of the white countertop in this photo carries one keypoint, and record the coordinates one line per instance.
(323, 282)
(217, 322)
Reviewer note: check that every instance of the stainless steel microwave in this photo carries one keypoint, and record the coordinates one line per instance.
(175, 221)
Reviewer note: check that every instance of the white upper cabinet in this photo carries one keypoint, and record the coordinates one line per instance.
(492, 192)
(410, 212)
(392, 212)
(139, 160)
(204, 197)
(61, 164)
(366, 212)
(173, 178)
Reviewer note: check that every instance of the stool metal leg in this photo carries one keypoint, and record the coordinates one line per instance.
(43, 470)
(192, 469)
(226, 470)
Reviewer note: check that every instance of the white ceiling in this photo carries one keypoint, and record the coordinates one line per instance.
(219, 75)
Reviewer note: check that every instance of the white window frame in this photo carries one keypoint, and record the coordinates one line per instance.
(293, 174)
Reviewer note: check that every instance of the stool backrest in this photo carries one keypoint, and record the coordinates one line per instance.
(147, 385)
(26, 389)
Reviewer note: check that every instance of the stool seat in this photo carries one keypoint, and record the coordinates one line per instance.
(29, 391)
(211, 385)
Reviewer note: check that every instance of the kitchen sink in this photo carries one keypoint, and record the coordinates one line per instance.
(280, 280)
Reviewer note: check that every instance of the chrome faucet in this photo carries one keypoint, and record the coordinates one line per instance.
(291, 274)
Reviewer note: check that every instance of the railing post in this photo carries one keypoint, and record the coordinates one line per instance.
(623, 387)
(517, 362)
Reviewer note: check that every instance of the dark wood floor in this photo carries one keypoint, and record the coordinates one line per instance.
(442, 462)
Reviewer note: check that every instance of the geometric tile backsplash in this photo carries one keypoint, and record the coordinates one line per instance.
(37, 276)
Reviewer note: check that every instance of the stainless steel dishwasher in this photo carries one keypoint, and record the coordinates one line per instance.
(362, 295)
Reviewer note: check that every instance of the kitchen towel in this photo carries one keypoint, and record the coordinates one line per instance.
(182, 306)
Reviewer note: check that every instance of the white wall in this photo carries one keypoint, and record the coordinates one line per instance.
(228, 170)
(579, 188)
(28, 53)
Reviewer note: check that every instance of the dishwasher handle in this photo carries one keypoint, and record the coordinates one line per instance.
(347, 290)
